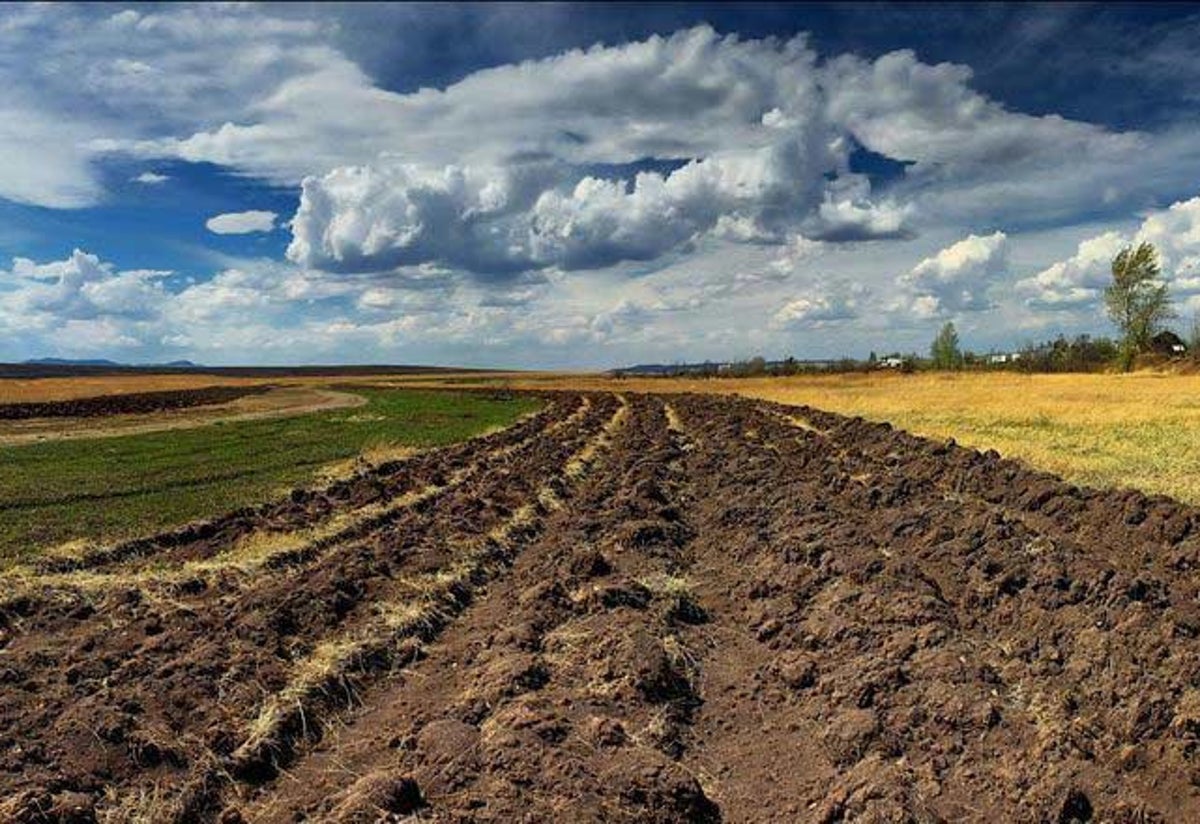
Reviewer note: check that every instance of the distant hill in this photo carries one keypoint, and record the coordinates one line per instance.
(175, 364)
(66, 367)
(70, 362)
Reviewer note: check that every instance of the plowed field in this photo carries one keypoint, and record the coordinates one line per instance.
(631, 609)
(133, 403)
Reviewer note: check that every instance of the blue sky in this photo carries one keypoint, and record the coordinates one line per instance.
(560, 185)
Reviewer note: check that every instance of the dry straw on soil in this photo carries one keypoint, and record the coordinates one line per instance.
(426, 603)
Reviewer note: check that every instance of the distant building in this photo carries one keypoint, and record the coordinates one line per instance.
(891, 363)
(1168, 343)
(1004, 357)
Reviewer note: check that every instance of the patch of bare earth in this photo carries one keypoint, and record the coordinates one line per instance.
(663, 609)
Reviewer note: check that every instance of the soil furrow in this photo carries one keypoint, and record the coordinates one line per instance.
(331, 677)
(908, 642)
(272, 547)
(134, 403)
(578, 710)
(197, 663)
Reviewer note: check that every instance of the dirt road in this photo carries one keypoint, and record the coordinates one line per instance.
(651, 609)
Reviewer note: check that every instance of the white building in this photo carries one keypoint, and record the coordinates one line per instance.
(1004, 357)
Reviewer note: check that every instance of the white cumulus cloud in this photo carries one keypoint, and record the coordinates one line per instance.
(493, 220)
(81, 287)
(847, 213)
(957, 278)
(684, 96)
(838, 301)
(75, 79)
(1076, 281)
(241, 223)
(1079, 281)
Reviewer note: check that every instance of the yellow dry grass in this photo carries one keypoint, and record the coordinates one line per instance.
(29, 390)
(673, 421)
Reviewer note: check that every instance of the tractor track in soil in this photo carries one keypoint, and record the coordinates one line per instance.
(638, 608)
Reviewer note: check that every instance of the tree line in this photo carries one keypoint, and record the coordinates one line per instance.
(1137, 302)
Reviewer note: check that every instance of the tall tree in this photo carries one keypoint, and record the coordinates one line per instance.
(1137, 301)
(944, 351)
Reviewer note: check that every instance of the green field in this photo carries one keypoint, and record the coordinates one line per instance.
(110, 488)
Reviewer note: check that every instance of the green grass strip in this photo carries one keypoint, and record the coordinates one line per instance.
(118, 487)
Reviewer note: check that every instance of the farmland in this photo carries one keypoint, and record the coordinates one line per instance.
(623, 607)
(1140, 430)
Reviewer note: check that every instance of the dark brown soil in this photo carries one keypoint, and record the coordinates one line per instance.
(648, 609)
(129, 404)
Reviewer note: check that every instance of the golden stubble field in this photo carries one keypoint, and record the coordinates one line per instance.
(36, 390)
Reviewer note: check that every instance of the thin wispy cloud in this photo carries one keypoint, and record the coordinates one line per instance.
(151, 178)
